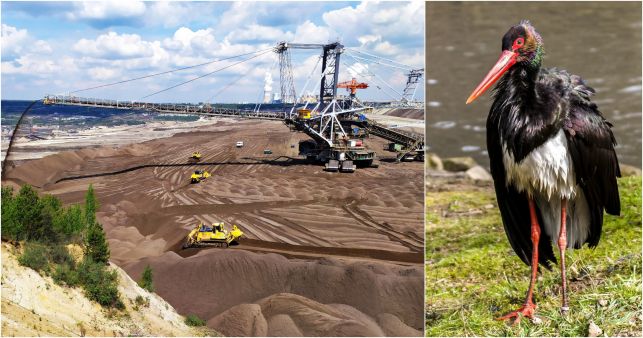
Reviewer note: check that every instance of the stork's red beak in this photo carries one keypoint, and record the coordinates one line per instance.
(506, 60)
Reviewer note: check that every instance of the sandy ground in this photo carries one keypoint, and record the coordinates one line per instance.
(324, 253)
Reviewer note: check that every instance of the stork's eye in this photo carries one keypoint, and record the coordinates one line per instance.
(518, 43)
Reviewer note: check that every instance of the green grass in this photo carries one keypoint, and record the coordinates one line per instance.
(473, 275)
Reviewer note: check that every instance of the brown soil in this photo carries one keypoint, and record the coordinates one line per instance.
(324, 253)
(410, 113)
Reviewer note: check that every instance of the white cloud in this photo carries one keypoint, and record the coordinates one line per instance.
(358, 69)
(389, 25)
(308, 32)
(114, 46)
(30, 64)
(107, 9)
(365, 40)
(240, 13)
(102, 73)
(386, 48)
(256, 32)
(13, 40)
(171, 14)
(17, 42)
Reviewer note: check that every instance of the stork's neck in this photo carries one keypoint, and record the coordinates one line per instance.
(520, 81)
(524, 122)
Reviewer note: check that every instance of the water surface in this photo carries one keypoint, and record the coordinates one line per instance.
(600, 41)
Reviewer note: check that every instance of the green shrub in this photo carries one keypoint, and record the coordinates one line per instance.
(100, 284)
(60, 255)
(142, 301)
(35, 257)
(65, 274)
(194, 320)
(146, 279)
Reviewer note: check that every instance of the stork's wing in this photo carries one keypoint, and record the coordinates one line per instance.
(591, 144)
(514, 207)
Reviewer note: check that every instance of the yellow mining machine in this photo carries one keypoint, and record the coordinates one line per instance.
(199, 175)
(304, 114)
(196, 156)
(215, 235)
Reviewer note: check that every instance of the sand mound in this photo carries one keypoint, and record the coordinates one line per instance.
(243, 320)
(292, 315)
(393, 326)
(409, 113)
(283, 326)
(216, 280)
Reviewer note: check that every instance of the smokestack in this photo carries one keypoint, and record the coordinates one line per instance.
(267, 88)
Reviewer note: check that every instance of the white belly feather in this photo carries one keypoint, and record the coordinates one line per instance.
(547, 175)
(547, 170)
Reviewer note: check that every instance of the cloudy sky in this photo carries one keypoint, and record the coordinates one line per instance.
(60, 47)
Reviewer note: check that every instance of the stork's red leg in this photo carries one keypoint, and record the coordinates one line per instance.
(562, 245)
(529, 308)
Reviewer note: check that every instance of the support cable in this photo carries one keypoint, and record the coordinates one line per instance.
(382, 58)
(377, 62)
(226, 87)
(373, 76)
(167, 72)
(204, 75)
(384, 82)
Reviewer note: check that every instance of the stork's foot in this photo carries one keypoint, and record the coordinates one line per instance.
(564, 310)
(526, 310)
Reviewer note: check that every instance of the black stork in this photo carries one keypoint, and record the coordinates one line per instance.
(552, 158)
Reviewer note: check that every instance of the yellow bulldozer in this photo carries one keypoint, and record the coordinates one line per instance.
(196, 156)
(216, 235)
(198, 176)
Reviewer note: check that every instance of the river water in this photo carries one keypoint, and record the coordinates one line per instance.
(600, 41)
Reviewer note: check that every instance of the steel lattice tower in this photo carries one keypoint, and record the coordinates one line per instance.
(285, 77)
(412, 80)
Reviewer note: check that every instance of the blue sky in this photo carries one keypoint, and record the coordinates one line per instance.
(59, 47)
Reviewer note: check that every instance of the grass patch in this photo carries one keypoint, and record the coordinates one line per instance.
(194, 320)
(473, 275)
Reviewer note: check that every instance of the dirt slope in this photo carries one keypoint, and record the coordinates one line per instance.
(33, 305)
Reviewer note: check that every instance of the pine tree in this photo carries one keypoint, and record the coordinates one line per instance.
(146, 279)
(30, 214)
(96, 246)
(11, 226)
(91, 206)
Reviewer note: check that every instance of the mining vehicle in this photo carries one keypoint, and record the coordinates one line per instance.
(216, 235)
(196, 156)
(199, 175)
